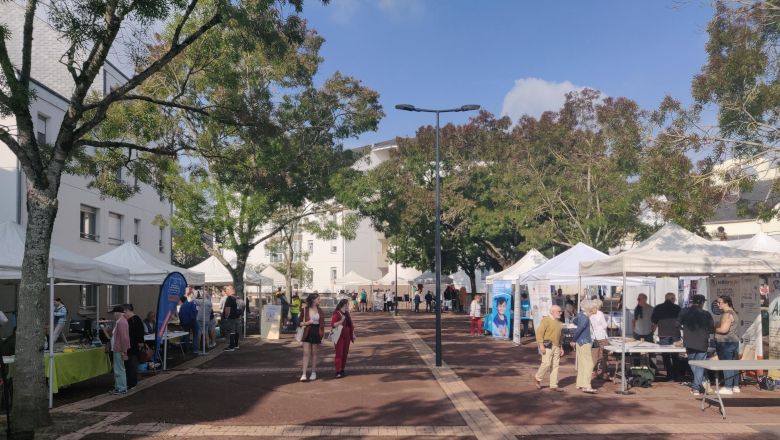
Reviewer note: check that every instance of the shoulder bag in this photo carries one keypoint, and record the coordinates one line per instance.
(335, 334)
(299, 331)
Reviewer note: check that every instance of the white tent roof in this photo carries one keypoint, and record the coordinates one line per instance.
(761, 243)
(531, 260)
(430, 278)
(675, 251)
(65, 266)
(564, 269)
(276, 277)
(351, 279)
(389, 279)
(146, 269)
(217, 274)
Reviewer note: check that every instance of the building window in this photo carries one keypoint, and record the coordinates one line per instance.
(334, 218)
(88, 298)
(117, 296)
(333, 247)
(297, 250)
(88, 222)
(136, 230)
(333, 274)
(161, 245)
(276, 257)
(40, 132)
(114, 228)
(311, 246)
(118, 175)
(267, 252)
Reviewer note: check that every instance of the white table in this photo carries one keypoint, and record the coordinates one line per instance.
(736, 365)
(168, 335)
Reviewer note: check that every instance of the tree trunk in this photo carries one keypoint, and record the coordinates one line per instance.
(288, 275)
(30, 403)
(473, 278)
(238, 276)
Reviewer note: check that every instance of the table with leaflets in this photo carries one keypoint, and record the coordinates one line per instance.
(73, 367)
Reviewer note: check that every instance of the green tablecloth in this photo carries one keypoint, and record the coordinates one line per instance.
(70, 368)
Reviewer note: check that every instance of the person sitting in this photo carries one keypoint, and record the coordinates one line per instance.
(150, 323)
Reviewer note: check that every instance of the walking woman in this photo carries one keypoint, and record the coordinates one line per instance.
(342, 318)
(583, 342)
(727, 343)
(312, 320)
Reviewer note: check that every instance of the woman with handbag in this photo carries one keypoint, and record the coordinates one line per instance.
(583, 342)
(312, 320)
(341, 318)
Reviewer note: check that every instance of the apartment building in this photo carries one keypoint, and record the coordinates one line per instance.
(87, 223)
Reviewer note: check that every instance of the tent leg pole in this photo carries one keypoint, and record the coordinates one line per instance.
(623, 343)
(51, 342)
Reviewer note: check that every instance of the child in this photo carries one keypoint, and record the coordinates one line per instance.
(475, 312)
(500, 324)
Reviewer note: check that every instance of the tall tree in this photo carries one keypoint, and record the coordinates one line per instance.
(90, 30)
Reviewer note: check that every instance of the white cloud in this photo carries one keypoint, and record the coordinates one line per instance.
(534, 96)
(401, 10)
(343, 10)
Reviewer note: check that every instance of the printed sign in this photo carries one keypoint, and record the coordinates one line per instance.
(502, 305)
(516, 332)
(171, 290)
(541, 301)
(774, 325)
(749, 312)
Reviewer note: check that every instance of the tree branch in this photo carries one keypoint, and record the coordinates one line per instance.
(128, 145)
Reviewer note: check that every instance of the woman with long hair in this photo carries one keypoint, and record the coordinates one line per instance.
(727, 342)
(342, 318)
(312, 319)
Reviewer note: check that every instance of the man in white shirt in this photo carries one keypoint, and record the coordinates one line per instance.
(389, 300)
(599, 323)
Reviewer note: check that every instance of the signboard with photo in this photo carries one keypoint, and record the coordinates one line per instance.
(502, 306)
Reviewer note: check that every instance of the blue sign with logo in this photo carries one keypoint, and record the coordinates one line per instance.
(172, 289)
(502, 309)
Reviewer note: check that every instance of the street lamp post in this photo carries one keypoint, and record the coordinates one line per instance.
(411, 108)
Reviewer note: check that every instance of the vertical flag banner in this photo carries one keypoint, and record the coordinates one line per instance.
(502, 307)
(172, 289)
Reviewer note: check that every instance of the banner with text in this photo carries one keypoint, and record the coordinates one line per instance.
(516, 331)
(541, 301)
(171, 290)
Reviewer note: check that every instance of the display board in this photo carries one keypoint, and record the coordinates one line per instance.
(171, 290)
(516, 331)
(270, 321)
(502, 306)
(774, 323)
(541, 301)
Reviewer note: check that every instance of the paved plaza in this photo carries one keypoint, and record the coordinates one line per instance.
(393, 390)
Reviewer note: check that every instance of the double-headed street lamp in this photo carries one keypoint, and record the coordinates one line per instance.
(411, 108)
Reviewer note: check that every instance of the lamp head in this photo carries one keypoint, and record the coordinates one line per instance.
(407, 107)
(469, 107)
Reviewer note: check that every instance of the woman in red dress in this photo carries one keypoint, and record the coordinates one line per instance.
(341, 318)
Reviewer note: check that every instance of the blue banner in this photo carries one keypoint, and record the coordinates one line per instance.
(502, 309)
(172, 289)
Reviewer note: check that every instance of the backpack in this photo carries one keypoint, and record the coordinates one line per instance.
(766, 383)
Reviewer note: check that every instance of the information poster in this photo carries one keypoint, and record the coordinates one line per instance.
(270, 321)
(541, 301)
(749, 311)
(502, 305)
(774, 323)
(720, 286)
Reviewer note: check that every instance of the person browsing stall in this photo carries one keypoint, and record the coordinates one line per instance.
(697, 325)
(60, 320)
(582, 341)
(549, 339)
(727, 343)
(642, 323)
(664, 318)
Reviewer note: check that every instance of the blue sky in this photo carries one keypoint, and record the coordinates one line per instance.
(509, 56)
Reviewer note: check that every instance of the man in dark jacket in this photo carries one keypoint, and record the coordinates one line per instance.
(697, 325)
(188, 315)
(428, 299)
(664, 317)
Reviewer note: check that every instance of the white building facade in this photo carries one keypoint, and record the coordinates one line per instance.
(87, 223)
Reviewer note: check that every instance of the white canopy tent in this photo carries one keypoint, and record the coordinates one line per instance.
(350, 279)
(276, 277)
(430, 278)
(674, 251)
(761, 242)
(217, 275)
(531, 260)
(64, 267)
(390, 278)
(146, 269)
(564, 269)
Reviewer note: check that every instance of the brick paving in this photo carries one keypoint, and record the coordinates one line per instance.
(484, 394)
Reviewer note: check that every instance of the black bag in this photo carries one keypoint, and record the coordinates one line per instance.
(766, 383)
(547, 343)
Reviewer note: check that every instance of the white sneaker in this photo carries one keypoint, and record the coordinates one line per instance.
(735, 390)
(212, 345)
(303, 378)
(313, 376)
(725, 391)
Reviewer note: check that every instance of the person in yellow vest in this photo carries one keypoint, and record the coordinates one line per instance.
(295, 310)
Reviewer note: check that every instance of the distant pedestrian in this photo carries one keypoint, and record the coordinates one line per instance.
(295, 310)
(285, 307)
(525, 313)
(205, 316)
(341, 317)
(230, 316)
(120, 343)
(312, 319)
(582, 341)
(417, 302)
(475, 314)
(549, 338)
(600, 357)
(462, 298)
(135, 329)
(428, 300)
(188, 318)
(389, 300)
(363, 300)
(697, 324)
(60, 320)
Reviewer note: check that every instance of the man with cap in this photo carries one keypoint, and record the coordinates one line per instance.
(698, 325)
